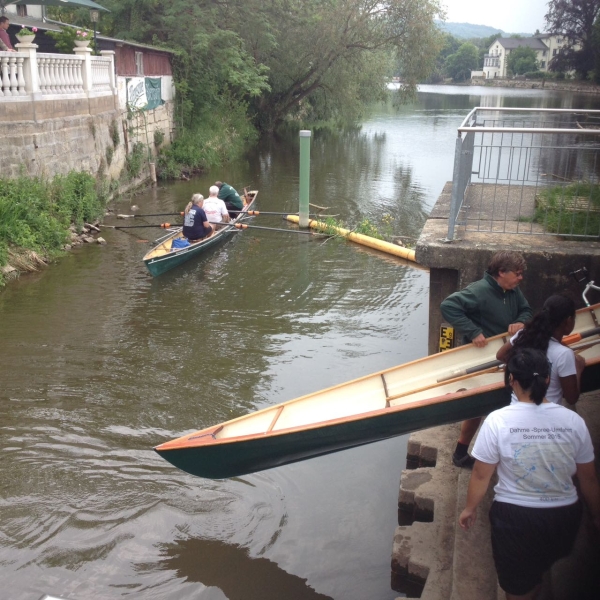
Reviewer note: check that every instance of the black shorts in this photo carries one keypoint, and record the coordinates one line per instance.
(527, 541)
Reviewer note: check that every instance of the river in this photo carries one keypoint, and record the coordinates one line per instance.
(99, 363)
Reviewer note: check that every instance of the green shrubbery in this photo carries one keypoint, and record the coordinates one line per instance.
(36, 214)
(210, 142)
(570, 210)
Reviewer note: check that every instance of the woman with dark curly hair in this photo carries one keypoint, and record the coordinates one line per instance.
(537, 447)
(544, 332)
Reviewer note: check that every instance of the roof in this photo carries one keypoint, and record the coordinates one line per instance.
(512, 43)
(49, 25)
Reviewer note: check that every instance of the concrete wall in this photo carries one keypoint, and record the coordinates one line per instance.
(454, 265)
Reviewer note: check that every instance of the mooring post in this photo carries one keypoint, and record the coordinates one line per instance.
(304, 177)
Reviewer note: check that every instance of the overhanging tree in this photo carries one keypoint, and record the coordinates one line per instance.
(575, 20)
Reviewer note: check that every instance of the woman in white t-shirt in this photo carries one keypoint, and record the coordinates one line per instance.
(537, 447)
(544, 332)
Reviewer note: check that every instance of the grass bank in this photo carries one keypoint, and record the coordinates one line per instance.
(35, 216)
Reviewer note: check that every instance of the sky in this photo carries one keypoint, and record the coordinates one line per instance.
(512, 16)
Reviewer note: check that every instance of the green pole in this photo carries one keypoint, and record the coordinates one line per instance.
(304, 177)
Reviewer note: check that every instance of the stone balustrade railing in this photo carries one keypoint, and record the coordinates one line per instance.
(42, 75)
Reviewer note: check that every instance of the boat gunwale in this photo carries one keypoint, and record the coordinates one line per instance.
(209, 431)
(371, 414)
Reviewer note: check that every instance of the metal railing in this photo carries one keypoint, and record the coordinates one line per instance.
(527, 171)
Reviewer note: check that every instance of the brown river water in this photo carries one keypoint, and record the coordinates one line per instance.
(99, 363)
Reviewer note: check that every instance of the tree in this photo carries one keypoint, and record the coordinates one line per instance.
(522, 60)
(460, 64)
(331, 56)
(575, 20)
(302, 60)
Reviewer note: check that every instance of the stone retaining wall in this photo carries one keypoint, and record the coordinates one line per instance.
(46, 139)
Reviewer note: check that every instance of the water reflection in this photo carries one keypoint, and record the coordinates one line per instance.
(230, 568)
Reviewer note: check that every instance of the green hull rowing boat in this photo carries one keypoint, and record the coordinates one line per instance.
(163, 258)
(435, 390)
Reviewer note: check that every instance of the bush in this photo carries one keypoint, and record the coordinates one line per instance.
(36, 214)
(114, 133)
(535, 75)
(134, 161)
(212, 141)
(570, 210)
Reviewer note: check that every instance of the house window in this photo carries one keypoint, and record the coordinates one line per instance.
(139, 63)
(22, 11)
(554, 52)
(542, 64)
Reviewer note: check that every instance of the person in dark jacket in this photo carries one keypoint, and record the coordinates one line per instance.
(195, 222)
(232, 199)
(485, 308)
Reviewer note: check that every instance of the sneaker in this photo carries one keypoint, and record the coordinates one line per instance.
(465, 462)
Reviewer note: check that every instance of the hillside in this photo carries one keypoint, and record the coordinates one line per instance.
(468, 31)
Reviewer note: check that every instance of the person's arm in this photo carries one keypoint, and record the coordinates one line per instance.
(504, 352)
(3, 46)
(456, 308)
(524, 313)
(571, 384)
(590, 489)
(478, 485)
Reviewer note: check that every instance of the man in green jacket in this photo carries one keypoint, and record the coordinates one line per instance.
(232, 199)
(485, 308)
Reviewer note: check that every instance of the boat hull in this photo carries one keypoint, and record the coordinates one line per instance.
(157, 265)
(239, 457)
(424, 393)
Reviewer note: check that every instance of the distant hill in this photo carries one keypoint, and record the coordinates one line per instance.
(468, 31)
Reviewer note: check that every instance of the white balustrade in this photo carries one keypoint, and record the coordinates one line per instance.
(101, 67)
(28, 72)
(12, 80)
(60, 73)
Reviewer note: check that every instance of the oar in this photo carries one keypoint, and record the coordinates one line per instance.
(244, 226)
(161, 225)
(171, 214)
(567, 341)
(446, 381)
(256, 213)
(577, 337)
(471, 370)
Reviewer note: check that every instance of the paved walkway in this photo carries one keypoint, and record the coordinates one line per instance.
(457, 565)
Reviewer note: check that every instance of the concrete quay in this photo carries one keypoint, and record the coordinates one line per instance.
(452, 266)
(434, 559)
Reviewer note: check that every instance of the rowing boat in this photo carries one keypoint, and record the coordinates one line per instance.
(431, 391)
(163, 257)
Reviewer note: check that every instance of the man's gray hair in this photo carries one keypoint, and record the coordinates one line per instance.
(213, 190)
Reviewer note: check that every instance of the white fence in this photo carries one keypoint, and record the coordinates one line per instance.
(42, 75)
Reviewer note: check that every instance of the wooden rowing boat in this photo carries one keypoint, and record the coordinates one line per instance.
(424, 393)
(163, 257)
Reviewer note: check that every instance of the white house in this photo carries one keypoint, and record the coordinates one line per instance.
(546, 47)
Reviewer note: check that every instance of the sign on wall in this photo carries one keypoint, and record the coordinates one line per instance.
(144, 93)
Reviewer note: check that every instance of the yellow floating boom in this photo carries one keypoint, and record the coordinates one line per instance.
(359, 238)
